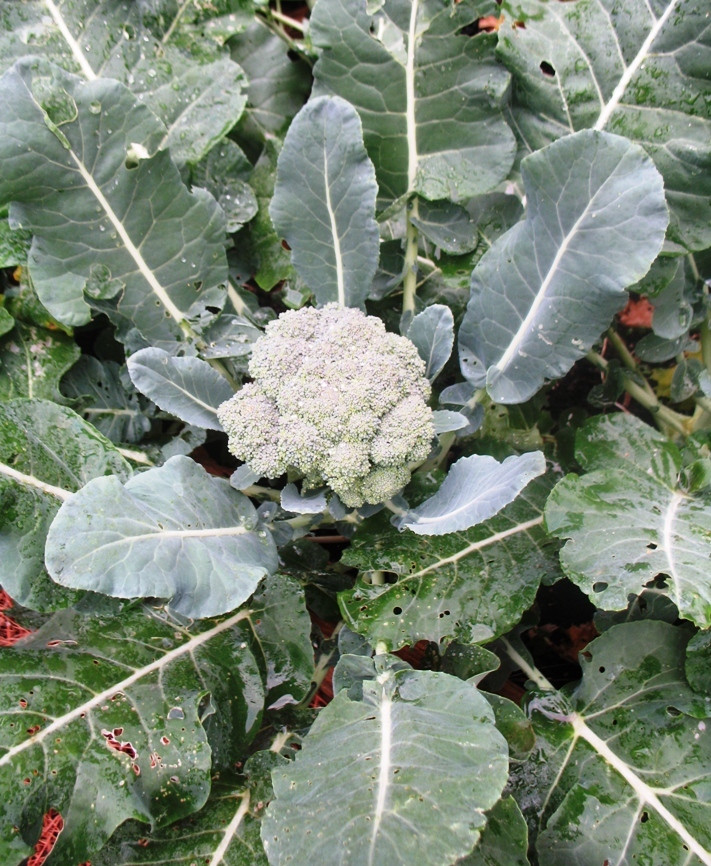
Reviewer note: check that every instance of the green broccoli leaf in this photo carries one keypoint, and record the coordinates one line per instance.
(642, 74)
(380, 765)
(186, 387)
(166, 260)
(542, 294)
(628, 519)
(105, 722)
(324, 202)
(430, 98)
(101, 395)
(475, 489)
(47, 452)
(621, 768)
(471, 586)
(173, 532)
(33, 360)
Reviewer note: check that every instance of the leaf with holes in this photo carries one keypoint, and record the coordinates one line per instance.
(641, 72)
(103, 720)
(160, 246)
(225, 832)
(381, 762)
(324, 202)
(544, 291)
(628, 519)
(437, 127)
(47, 452)
(621, 768)
(471, 586)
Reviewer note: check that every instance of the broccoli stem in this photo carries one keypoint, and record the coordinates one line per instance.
(409, 283)
(662, 414)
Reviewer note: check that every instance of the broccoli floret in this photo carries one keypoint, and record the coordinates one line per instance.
(337, 398)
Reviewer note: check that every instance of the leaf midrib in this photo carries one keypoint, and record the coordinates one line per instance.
(62, 721)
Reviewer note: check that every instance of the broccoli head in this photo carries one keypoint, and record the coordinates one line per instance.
(337, 398)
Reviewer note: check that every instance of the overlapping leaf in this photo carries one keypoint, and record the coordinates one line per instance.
(623, 762)
(381, 764)
(641, 72)
(104, 399)
(596, 218)
(33, 360)
(225, 832)
(198, 98)
(280, 630)
(430, 99)
(471, 586)
(157, 249)
(172, 532)
(324, 202)
(504, 841)
(186, 387)
(432, 331)
(101, 720)
(278, 84)
(628, 519)
(47, 452)
(476, 488)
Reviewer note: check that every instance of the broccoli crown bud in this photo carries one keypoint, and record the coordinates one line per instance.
(336, 397)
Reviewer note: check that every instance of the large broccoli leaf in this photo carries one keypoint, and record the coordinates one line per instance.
(394, 751)
(199, 95)
(324, 202)
(102, 721)
(173, 532)
(628, 519)
(471, 586)
(639, 70)
(621, 771)
(102, 223)
(429, 97)
(542, 294)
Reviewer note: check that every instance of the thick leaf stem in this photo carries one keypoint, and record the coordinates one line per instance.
(663, 414)
(290, 22)
(705, 338)
(274, 24)
(629, 362)
(135, 456)
(531, 672)
(260, 492)
(409, 283)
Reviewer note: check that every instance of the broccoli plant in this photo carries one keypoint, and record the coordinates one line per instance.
(355, 412)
